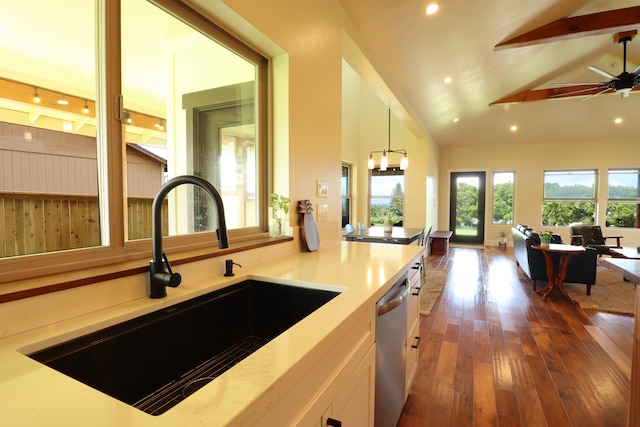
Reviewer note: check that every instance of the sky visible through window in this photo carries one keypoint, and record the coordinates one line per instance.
(383, 186)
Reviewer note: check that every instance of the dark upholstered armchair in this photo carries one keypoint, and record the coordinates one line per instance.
(591, 236)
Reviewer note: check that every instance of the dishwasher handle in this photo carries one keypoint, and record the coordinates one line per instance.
(397, 296)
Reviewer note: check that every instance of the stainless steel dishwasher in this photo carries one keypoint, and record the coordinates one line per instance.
(391, 335)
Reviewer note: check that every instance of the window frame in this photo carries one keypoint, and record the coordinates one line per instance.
(111, 159)
(513, 199)
(635, 201)
(570, 200)
(391, 170)
(346, 195)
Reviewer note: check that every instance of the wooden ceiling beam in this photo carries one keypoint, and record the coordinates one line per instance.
(608, 22)
(553, 93)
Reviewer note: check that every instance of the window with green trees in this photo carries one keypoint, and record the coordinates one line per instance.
(386, 195)
(624, 198)
(569, 196)
(503, 185)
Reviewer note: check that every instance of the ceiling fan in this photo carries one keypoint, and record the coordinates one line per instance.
(622, 83)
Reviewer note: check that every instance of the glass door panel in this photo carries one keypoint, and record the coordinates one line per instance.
(467, 207)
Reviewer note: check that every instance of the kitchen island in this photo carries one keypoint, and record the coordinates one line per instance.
(294, 378)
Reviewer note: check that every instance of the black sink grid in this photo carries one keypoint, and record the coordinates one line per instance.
(157, 360)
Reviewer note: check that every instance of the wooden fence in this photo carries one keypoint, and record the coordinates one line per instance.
(33, 223)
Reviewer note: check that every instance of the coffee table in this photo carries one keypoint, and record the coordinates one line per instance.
(627, 268)
(630, 253)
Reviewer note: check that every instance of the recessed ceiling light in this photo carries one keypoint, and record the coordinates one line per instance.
(618, 120)
(448, 79)
(513, 128)
(432, 8)
(456, 120)
(62, 102)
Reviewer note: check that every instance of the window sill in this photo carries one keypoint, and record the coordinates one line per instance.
(68, 280)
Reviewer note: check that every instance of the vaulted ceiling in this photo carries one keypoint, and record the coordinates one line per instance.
(487, 49)
(509, 61)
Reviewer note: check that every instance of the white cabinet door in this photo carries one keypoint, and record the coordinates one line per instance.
(412, 360)
(353, 405)
(413, 329)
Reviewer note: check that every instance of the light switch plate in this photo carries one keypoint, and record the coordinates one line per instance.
(323, 211)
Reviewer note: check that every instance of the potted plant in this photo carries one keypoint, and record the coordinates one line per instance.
(389, 219)
(279, 208)
(502, 237)
(545, 238)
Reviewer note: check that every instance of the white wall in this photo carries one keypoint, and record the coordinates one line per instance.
(366, 128)
(334, 114)
(529, 163)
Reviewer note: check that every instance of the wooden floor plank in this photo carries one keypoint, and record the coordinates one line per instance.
(494, 354)
(485, 412)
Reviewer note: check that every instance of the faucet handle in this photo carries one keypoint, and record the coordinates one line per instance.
(170, 279)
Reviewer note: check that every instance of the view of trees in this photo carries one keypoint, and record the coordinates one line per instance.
(565, 213)
(467, 206)
(621, 214)
(554, 190)
(503, 203)
(557, 213)
(562, 213)
(394, 210)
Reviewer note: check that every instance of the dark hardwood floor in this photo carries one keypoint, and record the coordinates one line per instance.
(494, 354)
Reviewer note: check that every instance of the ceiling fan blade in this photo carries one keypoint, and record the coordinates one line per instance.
(595, 94)
(601, 72)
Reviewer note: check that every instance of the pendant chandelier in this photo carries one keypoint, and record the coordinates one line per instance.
(384, 160)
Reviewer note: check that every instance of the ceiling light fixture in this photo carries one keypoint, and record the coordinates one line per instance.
(448, 79)
(126, 118)
(86, 107)
(62, 102)
(514, 128)
(36, 97)
(618, 120)
(432, 8)
(384, 161)
(456, 120)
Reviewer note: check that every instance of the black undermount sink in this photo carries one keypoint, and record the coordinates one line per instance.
(155, 361)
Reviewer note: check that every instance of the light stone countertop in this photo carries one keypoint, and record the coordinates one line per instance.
(36, 395)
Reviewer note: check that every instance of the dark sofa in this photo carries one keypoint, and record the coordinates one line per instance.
(582, 267)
